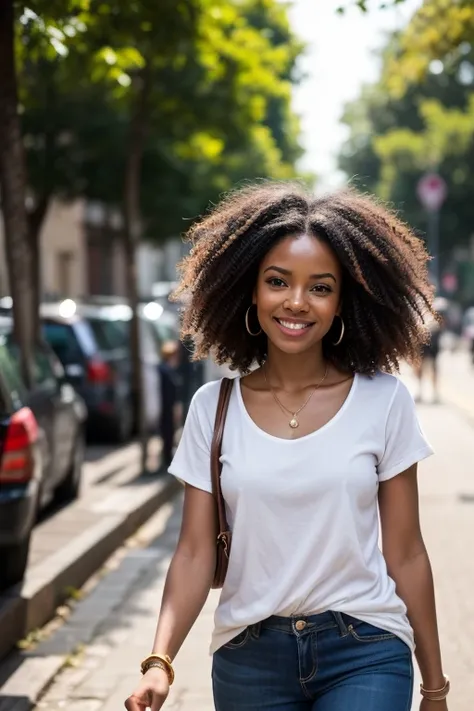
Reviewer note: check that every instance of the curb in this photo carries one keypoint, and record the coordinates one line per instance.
(32, 604)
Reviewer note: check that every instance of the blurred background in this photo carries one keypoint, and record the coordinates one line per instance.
(119, 124)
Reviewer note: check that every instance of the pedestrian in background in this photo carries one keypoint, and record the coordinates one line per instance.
(431, 350)
(168, 370)
(314, 301)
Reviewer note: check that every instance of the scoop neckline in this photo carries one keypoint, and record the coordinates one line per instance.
(310, 435)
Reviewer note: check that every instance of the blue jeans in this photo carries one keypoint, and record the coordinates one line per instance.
(326, 662)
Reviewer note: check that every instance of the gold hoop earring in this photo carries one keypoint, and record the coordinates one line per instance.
(343, 328)
(247, 323)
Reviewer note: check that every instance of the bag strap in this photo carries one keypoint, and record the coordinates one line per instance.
(216, 446)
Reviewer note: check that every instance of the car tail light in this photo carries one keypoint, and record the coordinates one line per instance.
(99, 372)
(17, 460)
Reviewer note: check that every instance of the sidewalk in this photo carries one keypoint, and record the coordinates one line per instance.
(105, 673)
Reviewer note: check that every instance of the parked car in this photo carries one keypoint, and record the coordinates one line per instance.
(41, 448)
(92, 342)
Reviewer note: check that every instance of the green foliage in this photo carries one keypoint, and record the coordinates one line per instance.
(218, 110)
(441, 31)
(366, 6)
(396, 137)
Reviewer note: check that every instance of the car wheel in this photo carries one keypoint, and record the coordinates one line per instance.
(69, 489)
(14, 561)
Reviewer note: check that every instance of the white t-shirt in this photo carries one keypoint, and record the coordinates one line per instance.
(303, 512)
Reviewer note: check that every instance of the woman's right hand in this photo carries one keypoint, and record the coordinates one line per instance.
(151, 692)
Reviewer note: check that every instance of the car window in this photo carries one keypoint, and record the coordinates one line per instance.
(85, 337)
(63, 341)
(44, 374)
(56, 364)
(11, 373)
(109, 334)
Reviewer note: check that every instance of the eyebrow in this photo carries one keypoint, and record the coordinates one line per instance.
(286, 272)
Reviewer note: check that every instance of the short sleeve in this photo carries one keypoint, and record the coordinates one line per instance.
(405, 443)
(191, 462)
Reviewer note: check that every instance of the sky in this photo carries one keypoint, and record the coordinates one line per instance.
(339, 59)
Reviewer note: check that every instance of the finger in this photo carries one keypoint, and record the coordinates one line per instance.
(134, 703)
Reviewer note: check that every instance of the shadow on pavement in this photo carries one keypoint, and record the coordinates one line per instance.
(94, 452)
(15, 703)
(466, 498)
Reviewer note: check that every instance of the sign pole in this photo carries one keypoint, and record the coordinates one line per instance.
(433, 242)
(432, 191)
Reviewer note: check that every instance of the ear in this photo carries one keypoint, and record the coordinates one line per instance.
(254, 296)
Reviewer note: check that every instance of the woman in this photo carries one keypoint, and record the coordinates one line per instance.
(324, 296)
(431, 350)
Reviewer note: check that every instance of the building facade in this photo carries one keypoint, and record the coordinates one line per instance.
(82, 254)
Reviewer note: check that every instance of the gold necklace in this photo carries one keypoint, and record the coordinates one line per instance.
(294, 423)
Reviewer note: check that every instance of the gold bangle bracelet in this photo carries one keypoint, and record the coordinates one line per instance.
(165, 659)
(158, 664)
(436, 694)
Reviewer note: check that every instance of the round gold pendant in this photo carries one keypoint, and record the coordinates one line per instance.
(294, 423)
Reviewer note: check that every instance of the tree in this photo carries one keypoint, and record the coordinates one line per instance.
(13, 193)
(210, 120)
(155, 110)
(50, 156)
(440, 32)
(395, 139)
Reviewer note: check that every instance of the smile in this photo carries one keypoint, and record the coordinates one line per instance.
(293, 328)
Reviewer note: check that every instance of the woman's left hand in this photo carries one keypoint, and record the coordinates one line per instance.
(433, 705)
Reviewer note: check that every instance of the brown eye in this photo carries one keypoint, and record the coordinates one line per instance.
(276, 281)
(321, 289)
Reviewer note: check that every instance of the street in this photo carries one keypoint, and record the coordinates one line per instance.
(71, 542)
(457, 380)
(170, 186)
(114, 624)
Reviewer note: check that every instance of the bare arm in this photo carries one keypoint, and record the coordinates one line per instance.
(190, 574)
(409, 566)
(187, 586)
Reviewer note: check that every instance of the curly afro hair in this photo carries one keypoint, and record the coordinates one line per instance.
(386, 293)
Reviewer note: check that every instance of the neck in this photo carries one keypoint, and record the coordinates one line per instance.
(295, 371)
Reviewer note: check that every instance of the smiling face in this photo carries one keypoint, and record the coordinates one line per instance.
(298, 293)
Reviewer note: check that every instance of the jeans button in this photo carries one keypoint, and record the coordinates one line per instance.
(300, 625)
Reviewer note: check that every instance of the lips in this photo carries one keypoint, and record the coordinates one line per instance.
(293, 327)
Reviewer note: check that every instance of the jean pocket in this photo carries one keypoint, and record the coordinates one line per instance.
(363, 632)
(239, 640)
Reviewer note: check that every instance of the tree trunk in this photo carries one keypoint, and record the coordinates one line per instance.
(131, 240)
(35, 223)
(13, 186)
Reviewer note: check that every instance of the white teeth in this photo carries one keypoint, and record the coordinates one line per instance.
(294, 326)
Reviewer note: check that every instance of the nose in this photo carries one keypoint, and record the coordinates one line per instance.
(296, 301)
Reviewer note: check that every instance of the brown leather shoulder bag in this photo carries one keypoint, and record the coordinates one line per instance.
(224, 537)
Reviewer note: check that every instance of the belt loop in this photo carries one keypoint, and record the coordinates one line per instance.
(255, 630)
(340, 623)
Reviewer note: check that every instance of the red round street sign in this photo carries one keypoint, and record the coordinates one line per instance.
(432, 191)
(450, 283)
